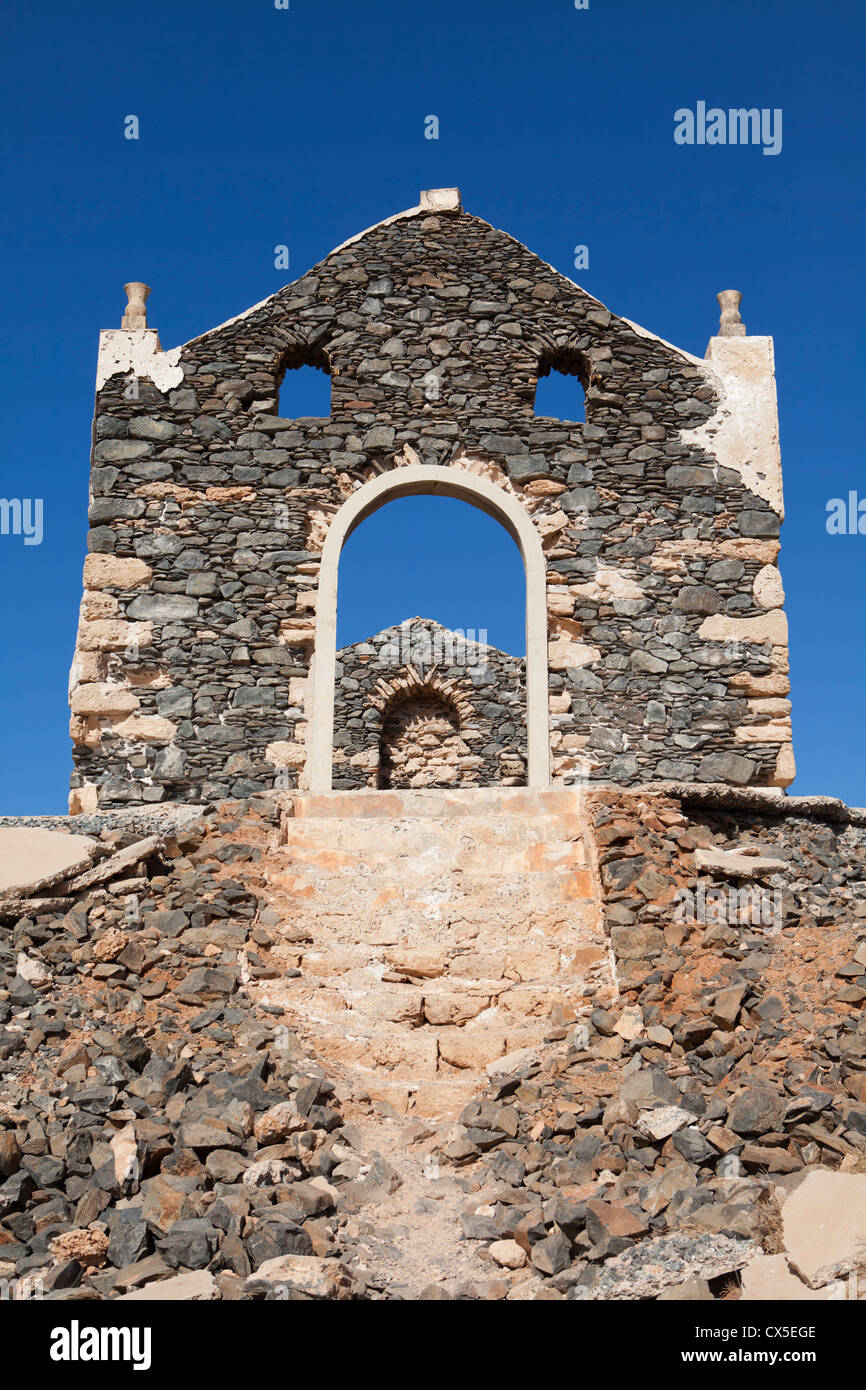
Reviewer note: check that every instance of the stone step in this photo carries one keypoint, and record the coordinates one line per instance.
(434, 895)
(435, 931)
(431, 804)
(481, 861)
(408, 1054)
(416, 835)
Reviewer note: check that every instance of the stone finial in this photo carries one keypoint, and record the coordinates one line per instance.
(730, 323)
(440, 199)
(136, 311)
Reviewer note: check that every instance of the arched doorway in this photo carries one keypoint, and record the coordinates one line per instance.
(467, 487)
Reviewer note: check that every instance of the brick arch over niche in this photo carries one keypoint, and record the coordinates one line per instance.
(409, 684)
(466, 487)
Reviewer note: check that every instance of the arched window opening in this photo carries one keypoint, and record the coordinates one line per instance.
(436, 700)
(563, 380)
(343, 711)
(435, 556)
(305, 389)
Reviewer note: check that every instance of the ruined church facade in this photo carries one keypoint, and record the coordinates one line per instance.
(205, 663)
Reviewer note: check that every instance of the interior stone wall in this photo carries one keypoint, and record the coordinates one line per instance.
(418, 662)
(659, 516)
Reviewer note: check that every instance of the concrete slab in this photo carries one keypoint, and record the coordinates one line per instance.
(31, 858)
(824, 1226)
(730, 864)
(196, 1285)
(768, 1279)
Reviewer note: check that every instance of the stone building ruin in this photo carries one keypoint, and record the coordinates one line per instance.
(524, 957)
(205, 661)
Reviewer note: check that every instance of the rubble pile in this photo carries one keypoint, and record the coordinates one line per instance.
(165, 1132)
(159, 1132)
(652, 1149)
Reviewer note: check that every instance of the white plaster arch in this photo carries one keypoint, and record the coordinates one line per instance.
(478, 492)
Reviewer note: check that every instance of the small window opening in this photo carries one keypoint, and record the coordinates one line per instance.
(305, 390)
(560, 392)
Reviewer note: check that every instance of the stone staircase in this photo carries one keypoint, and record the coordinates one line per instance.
(434, 931)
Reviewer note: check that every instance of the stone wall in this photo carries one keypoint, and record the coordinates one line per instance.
(659, 517)
(738, 927)
(411, 677)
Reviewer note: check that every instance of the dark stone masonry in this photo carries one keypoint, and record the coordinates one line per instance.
(419, 672)
(659, 526)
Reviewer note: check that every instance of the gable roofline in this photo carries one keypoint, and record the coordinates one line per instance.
(436, 201)
(412, 624)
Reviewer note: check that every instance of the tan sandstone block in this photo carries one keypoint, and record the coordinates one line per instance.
(560, 605)
(560, 703)
(158, 492)
(824, 1225)
(112, 572)
(587, 956)
(97, 605)
(113, 634)
(413, 1053)
(607, 585)
(89, 667)
(569, 656)
(543, 487)
(531, 1001)
(104, 697)
(235, 493)
(530, 962)
(573, 743)
(551, 524)
(444, 1008)
(297, 632)
(672, 555)
(770, 708)
(368, 760)
(83, 801)
(84, 732)
(285, 754)
(148, 679)
(334, 962)
(146, 728)
(464, 1049)
(396, 1004)
(478, 965)
(418, 961)
(767, 588)
(760, 686)
(777, 732)
(565, 630)
(440, 1098)
(771, 627)
(786, 767)
(768, 1279)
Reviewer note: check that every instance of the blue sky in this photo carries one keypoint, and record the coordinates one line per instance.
(261, 127)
